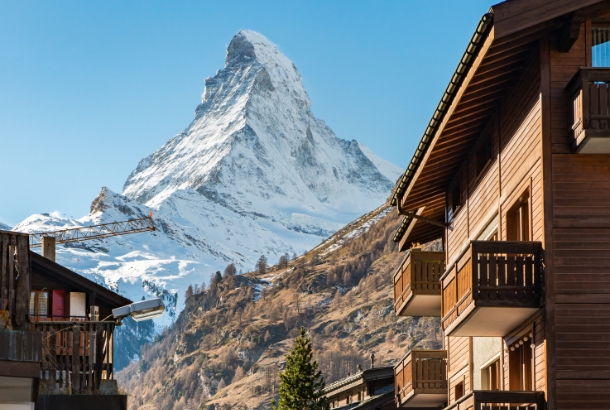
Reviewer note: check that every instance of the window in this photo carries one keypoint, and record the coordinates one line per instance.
(600, 52)
(518, 220)
(490, 376)
(483, 154)
(459, 390)
(455, 200)
(39, 303)
(520, 365)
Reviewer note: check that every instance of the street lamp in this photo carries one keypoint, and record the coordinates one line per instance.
(143, 310)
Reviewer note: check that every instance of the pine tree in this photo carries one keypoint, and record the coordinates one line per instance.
(261, 265)
(301, 383)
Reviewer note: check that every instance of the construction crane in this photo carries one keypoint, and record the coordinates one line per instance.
(86, 233)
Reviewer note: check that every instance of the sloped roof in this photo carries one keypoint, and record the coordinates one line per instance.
(62, 275)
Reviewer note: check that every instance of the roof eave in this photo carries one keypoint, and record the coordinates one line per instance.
(466, 63)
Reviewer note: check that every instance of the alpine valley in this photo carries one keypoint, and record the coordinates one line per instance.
(255, 173)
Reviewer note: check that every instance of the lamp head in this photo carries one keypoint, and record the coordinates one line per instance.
(143, 310)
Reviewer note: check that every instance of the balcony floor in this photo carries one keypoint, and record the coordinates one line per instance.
(489, 321)
(422, 305)
(427, 400)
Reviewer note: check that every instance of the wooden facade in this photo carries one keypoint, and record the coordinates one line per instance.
(77, 343)
(43, 340)
(516, 165)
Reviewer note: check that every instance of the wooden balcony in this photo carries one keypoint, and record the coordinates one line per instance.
(421, 379)
(417, 284)
(500, 400)
(77, 355)
(589, 109)
(492, 288)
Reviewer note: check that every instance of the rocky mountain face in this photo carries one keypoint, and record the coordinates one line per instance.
(229, 343)
(254, 173)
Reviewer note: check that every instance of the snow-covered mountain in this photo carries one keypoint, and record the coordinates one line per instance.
(254, 173)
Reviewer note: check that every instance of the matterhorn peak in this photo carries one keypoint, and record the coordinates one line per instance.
(255, 173)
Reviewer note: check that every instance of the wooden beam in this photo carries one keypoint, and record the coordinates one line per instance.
(416, 215)
(517, 15)
(10, 368)
(569, 32)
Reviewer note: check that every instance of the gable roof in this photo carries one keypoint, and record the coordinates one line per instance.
(62, 275)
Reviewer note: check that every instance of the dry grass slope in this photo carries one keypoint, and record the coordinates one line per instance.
(228, 345)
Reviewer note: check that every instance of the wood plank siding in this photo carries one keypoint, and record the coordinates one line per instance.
(579, 232)
(515, 166)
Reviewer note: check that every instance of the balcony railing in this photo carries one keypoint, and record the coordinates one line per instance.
(421, 379)
(417, 284)
(589, 109)
(77, 355)
(500, 400)
(492, 288)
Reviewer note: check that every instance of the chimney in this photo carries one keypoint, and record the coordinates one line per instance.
(48, 247)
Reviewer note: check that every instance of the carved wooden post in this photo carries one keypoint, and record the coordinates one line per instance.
(75, 359)
(22, 302)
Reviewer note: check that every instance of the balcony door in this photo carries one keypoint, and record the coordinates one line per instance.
(518, 225)
(520, 367)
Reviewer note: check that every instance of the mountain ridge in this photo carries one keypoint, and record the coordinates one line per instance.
(254, 173)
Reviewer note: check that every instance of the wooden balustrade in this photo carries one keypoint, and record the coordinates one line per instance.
(421, 372)
(15, 278)
(500, 400)
(492, 274)
(589, 106)
(418, 275)
(77, 355)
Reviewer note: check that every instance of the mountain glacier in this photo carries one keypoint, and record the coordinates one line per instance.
(254, 173)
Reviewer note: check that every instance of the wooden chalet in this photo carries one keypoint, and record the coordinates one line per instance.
(371, 389)
(513, 174)
(64, 331)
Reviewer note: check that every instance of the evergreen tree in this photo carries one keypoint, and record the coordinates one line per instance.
(301, 383)
(230, 270)
(189, 292)
(261, 265)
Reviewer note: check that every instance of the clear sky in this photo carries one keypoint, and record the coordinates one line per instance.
(87, 89)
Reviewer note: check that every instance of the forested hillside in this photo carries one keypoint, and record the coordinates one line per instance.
(228, 345)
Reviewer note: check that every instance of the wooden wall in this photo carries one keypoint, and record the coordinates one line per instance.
(459, 364)
(516, 165)
(577, 214)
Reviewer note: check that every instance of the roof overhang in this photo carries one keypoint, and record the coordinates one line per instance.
(493, 62)
(66, 277)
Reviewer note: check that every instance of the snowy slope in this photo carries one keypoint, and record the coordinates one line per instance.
(254, 173)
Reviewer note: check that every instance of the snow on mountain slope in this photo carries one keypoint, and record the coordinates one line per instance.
(254, 173)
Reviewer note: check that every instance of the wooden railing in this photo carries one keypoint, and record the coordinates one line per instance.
(14, 279)
(500, 400)
(589, 103)
(419, 274)
(77, 356)
(493, 273)
(421, 372)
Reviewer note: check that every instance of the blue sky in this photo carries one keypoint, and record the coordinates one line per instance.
(87, 89)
